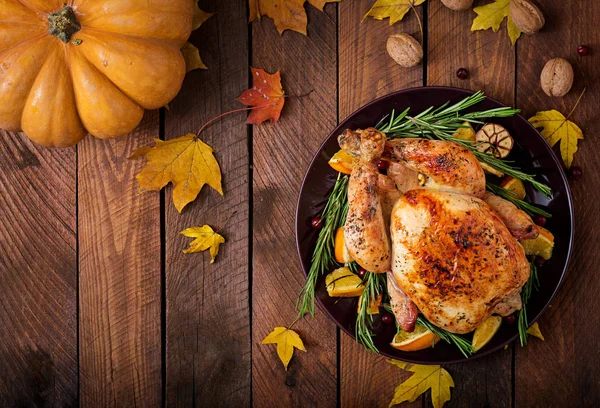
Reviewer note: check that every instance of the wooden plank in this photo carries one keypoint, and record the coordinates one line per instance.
(564, 370)
(282, 153)
(366, 72)
(38, 271)
(208, 319)
(490, 60)
(119, 275)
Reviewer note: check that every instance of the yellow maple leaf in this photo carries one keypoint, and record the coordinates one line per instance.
(534, 330)
(395, 10)
(286, 339)
(287, 14)
(191, 54)
(555, 127)
(204, 238)
(187, 162)
(491, 16)
(425, 377)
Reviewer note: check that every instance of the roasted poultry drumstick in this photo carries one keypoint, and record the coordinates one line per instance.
(450, 248)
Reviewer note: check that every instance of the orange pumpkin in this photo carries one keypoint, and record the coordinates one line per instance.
(88, 66)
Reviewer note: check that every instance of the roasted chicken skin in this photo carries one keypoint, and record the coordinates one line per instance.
(518, 222)
(454, 257)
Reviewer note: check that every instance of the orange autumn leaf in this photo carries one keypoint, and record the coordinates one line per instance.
(287, 14)
(187, 162)
(266, 96)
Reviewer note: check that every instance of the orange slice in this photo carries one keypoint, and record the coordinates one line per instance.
(341, 252)
(515, 185)
(484, 333)
(465, 133)
(343, 283)
(491, 170)
(542, 245)
(373, 307)
(342, 162)
(419, 339)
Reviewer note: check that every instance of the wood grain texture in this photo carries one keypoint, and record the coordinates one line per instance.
(564, 370)
(490, 60)
(366, 72)
(119, 275)
(38, 274)
(282, 152)
(208, 317)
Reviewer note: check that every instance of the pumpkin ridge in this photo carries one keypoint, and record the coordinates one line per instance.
(12, 47)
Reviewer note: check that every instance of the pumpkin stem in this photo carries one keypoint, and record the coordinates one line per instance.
(63, 24)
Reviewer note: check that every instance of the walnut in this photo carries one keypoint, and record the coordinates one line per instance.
(527, 16)
(458, 5)
(557, 77)
(404, 49)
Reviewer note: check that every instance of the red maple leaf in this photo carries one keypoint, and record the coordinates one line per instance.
(266, 96)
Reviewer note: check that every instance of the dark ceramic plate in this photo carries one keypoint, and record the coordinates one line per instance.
(531, 153)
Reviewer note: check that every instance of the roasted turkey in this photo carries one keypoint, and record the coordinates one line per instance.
(451, 248)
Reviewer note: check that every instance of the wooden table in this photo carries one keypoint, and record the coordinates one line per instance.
(99, 306)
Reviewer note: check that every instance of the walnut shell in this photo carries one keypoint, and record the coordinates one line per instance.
(458, 5)
(557, 77)
(404, 49)
(527, 16)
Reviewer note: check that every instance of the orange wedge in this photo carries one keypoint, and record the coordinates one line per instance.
(419, 339)
(484, 333)
(491, 170)
(342, 162)
(516, 186)
(341, 252)
(542, 245)
(374, 306)
(344, 283)
(465, 133)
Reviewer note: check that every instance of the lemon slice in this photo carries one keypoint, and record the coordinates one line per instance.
(516, 186)
(341, 252)
(373, 307)
(542, 245)
(342, 162)
(421, 338)
(344, 283)
(484, 333)
(465, 133)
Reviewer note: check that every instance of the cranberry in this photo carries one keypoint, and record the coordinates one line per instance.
(575, 173)
(510, 319)
(462, 73)
(316, 222)
(361, 272)
(387, 318)
(541, 220)
(539, 261)
(583, 50)
(383, 165)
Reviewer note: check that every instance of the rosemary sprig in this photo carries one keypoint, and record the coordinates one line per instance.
(334, 216)
(374, 285)
(532, 283)
(441, 123)
(512, 197)
(463, 344)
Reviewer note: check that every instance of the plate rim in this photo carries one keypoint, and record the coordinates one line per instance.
(554, 157)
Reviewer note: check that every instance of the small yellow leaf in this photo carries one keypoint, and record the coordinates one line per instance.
(287, 14)
(491, 16)
(395, 10)
(425, 377)
(191, 55)
(321, 3)
(187, 162)
(204, 238)
(534, 330)
(555, 127)
(286, 340)
(200, 16)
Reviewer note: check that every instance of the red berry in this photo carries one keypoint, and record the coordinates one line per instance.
(583, 50)
(361, 272)
(462, 73)
(387, 318)
(539, 261)
(575, 173)
(316, 222)
(510, 319)
(383, 165)
(541, 220)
